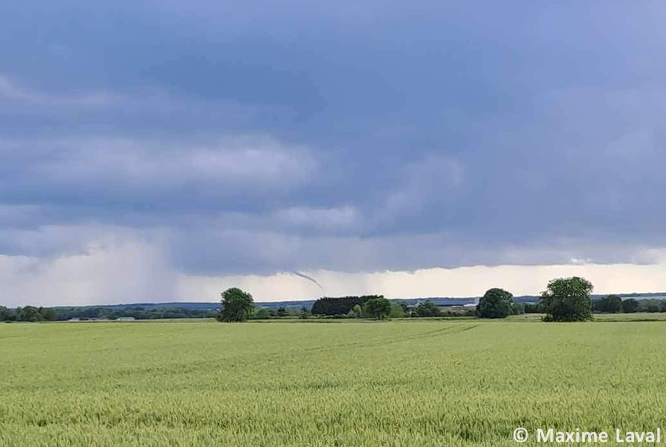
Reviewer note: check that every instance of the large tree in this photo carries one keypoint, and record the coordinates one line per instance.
(237, 305)
(496, 303)
(378, 307)
(568, 299)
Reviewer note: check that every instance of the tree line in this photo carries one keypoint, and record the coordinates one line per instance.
(35, 314)
(238, 306)
(28, 314)
(340, 306)
(565, 299)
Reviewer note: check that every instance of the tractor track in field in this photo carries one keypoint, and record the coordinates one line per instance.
(449, 330)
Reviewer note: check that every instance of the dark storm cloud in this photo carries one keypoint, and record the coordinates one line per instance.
(254, 137)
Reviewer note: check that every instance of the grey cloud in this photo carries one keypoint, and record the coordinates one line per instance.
(343, 218)
(434, 180)
(337, 136)
(264, 251)
(149, 172)
(21, 95)
(130, 270)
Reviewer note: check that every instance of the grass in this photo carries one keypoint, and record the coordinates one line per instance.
(639, 316)
(400, 383)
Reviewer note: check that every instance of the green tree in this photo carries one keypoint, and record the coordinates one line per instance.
(355, 312)
(29, 313)
(568, 299)
(518, 308)
(600, 305)
(237, 306)
(648, 305)
(613, 304)
(397, 310)
(534, 308)
(5, 314)
(427, 309)
(262, 314)
(48, 314)
(496, 303)
(339, 306)
(378, 307)
(282, 312)
(629, 306)
(662, 305)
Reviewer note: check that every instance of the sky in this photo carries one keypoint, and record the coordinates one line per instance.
(166, 150)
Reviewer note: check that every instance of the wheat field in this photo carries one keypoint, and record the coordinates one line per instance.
(398, 383)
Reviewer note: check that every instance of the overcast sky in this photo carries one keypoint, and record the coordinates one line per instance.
(163, 150)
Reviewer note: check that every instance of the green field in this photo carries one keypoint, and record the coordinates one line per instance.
(402, 383)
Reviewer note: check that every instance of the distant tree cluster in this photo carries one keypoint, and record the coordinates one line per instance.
(33, 314)
(428, 309)
(136, 312)
(378, 308)
(534, 308)
(611, 304)
(340, 306)
(651, 305)
(28, 314)
(267, 313)
(630, 306)
(425, 310)
(238, 306)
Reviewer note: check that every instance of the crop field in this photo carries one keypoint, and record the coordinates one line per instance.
(400, 383)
